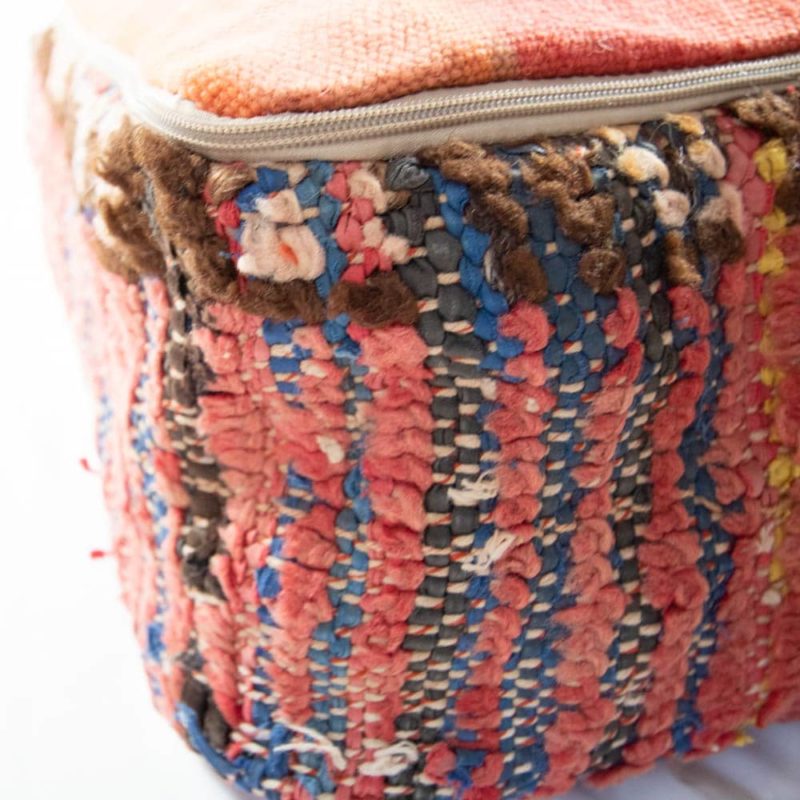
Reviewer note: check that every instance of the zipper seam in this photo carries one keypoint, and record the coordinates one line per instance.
(409, 115)
(431, 111)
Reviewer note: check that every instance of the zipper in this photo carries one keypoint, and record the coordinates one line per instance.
(498, 113)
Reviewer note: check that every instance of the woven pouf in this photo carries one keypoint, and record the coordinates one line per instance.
(467, 471)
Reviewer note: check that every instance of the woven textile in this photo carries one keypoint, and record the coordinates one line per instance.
(265, 56)
(466, 474)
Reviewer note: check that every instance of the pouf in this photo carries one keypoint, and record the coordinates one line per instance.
(447, 367)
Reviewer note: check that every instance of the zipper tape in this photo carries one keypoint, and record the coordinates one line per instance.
(502, 113)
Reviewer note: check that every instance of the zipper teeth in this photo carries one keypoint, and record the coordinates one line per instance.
(198, 128)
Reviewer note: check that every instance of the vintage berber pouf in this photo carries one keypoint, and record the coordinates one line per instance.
(447, 365)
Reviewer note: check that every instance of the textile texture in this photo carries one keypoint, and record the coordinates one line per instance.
(471, 473)
(257, 57)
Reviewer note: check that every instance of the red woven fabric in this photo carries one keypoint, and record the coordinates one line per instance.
(265, 56)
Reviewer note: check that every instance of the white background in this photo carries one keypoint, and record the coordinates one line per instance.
(75, 717)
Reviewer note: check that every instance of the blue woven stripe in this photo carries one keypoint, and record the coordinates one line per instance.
(716, 562)
(333, 636)
(530, 762)
(352, 519)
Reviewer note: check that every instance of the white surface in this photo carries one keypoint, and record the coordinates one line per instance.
(75, 717)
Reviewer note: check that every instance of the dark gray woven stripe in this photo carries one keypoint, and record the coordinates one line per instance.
(640, 627)
(185, 376)
(438, 619)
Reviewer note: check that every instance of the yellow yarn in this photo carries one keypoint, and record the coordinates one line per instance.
(775, 220)
(743, 739)
(771, 161)
(776, 570)
(769, 376)
(772, 165)
(780, 471)
(771, 261)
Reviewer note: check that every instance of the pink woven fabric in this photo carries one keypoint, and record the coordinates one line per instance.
(266, 56)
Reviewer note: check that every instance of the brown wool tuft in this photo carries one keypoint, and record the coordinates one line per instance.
(127, 218)
(492, 208)
(383, 300)
(210, 276)
(588, 221)
(452, 150)
(566, 170)
(171, 167)
(227, 180)
(114, 261)
(177, 184)
(523, 276)
(564, 180)
(776, 114)
(282, 301)
(481, 173)
(130, 226)
(680, 261)
(506, 213)
(788, 195)
(717, 235)
(117, 164)
(469, 164)
(603, 268)
(178, 180)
